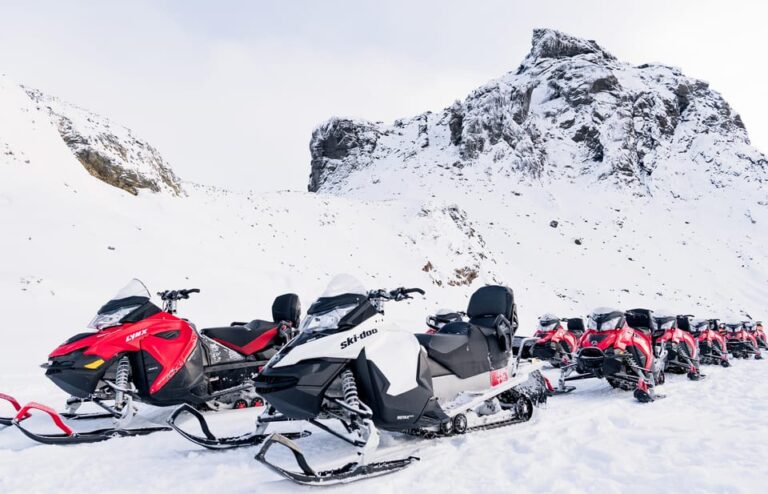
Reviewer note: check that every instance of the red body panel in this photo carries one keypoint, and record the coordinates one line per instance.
(254, 346)
(172, 354)
(676, 335)
(560, 334)
(711, 336)
(621, 339)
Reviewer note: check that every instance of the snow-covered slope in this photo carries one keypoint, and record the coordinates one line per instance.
(671, 219)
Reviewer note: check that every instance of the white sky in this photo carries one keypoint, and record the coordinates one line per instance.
(229, 92)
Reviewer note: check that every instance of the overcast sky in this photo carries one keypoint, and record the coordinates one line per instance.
(229, 91)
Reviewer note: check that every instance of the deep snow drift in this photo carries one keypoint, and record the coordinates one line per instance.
(689, 240)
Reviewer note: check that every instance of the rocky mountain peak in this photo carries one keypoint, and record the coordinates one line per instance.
(550, 43)
(571, 111)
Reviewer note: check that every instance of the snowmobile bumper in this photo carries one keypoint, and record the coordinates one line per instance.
(68, 435)
(348, 473)
(210, 441)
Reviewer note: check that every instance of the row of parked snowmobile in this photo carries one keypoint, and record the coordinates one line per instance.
(633, 350)
(344, 363)
(341, 363)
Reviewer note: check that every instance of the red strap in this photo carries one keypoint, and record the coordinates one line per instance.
(24, 414)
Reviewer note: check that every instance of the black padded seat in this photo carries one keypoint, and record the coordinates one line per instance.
(243, 338)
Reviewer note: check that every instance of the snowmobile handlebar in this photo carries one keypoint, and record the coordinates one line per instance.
(397, 294)
(177, 294)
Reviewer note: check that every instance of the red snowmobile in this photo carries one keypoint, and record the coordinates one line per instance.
(556, 341)
(140, 353)
(712, 346)
(740, 342)
(758, 332)
(680, 345)
(620, 347)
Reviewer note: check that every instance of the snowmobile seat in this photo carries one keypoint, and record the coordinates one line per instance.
(248, 339)
(483, 343)
(459, 347)
(576, 326)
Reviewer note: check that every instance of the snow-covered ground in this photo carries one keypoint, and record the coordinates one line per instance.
(69, 241)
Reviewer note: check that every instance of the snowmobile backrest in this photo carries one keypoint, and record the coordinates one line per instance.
(489, 302)
(684, 323)
(576, 325)
(641, 320)
(287, 308)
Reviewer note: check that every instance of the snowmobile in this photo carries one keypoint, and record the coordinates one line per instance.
(681, 347)
(759, 334)
(740, 342)
(441, 318)
(347, 366)
(620, 347)
(556, 342)
(712, 346)
(141, 353)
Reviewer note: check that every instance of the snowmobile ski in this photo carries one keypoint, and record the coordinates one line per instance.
(8, 421)
(210, 441)
(350, 472)
(70, 436)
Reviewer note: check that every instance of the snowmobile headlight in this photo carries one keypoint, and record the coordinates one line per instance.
(109, 319)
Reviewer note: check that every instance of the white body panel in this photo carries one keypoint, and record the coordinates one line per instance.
(395, 352)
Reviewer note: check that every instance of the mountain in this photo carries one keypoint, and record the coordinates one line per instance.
(108, 151)
(571, 110)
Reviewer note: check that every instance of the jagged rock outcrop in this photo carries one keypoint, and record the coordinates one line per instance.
(570, 110)
(108, 151)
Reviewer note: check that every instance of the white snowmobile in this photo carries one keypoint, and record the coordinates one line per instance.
(346, 365)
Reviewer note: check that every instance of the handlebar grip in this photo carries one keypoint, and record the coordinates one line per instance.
(414, 290)
(193, 290)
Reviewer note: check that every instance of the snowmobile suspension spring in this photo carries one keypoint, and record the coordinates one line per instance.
(122, 376)
(349, 388)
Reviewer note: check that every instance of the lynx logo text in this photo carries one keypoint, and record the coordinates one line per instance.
(135, 335)
(355, 338)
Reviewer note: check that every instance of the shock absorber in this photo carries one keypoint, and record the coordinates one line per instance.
(349, 389)
(122, 381)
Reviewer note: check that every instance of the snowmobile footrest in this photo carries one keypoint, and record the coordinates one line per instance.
(563, 390)
(347, 473)
(69, 436)
(210, 441)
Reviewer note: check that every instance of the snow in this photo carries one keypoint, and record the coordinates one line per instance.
(69, 241)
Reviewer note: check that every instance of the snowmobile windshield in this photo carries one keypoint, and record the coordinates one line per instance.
(700, 326)
(605, 319)
(666, 323)
(343, 304)
(131, 297)
(548, 322)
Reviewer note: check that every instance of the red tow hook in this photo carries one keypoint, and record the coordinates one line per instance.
(24, 414)
(15, 404)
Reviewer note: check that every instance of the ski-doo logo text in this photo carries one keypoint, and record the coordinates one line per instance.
(135, 335)
(351, 340)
